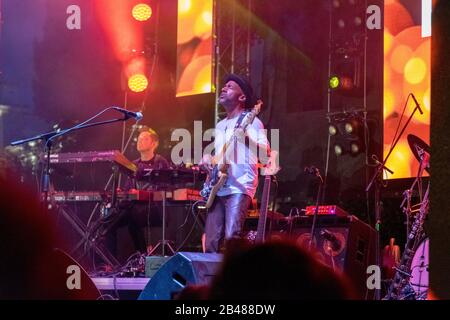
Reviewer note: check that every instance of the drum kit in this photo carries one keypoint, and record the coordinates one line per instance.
(420, 260)
(410, 281)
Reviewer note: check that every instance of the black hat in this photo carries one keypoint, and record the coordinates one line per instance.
(245, 86)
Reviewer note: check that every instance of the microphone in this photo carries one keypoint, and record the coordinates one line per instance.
(130, 114)
(330, 237)
(417, 103)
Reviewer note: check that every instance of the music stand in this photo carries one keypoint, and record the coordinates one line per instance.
(161, 178)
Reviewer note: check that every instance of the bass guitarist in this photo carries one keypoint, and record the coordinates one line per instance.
(236, 154)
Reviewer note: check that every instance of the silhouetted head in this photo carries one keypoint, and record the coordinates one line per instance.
(276, 270)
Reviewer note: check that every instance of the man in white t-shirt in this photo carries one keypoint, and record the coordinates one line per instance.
(226, 216)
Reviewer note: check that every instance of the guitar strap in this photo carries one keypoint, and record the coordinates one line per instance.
(238, 124)
(241, 117)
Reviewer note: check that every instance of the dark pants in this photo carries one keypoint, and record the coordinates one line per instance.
(225, 219)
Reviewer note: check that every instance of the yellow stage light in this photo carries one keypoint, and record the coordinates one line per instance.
(138, 83)
(142, 12)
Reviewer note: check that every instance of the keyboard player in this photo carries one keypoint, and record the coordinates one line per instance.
(136, 215)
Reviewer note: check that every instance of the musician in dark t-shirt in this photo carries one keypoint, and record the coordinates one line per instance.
(137, 214)
(147, 143)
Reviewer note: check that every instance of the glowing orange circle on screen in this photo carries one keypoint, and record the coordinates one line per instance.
(399, 160)
(196, 77)
(415, 70)
(388, 41)
(184, 6)
(399, 57)
(203, 25)
(388, 103)
(396, 17)
(417, 79)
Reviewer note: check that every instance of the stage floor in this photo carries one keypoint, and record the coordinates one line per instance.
(117, 283)
(120, 288)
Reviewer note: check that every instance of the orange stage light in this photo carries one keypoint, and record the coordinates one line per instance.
(142, 12)
(138, 83)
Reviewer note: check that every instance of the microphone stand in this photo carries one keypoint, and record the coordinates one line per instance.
(376, 179)
(316, 211)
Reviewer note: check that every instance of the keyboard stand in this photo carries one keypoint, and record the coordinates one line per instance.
(163, 242)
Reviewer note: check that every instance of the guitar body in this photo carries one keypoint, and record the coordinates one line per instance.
(217, 179)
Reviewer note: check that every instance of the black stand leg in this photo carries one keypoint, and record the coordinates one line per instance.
(90, 242)
(163, 242)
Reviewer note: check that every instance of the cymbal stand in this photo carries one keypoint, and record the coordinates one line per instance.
(407, 194)
(315, 171)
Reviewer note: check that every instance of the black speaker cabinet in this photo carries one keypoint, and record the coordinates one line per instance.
(184, 268)
(346, 244)
(64, 279)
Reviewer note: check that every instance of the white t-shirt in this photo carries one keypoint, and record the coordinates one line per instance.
(242, 157)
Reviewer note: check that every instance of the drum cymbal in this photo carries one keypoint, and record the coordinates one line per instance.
(418, 148)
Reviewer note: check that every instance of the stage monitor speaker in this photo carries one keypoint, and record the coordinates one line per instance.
(346, 244)
(65, 279)
(184, 268)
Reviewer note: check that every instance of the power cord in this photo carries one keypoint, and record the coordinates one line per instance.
(196, 221)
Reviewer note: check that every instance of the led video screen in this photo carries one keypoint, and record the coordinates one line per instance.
(407, 70)
(194, 47)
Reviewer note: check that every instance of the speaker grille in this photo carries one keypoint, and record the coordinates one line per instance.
(349, 248)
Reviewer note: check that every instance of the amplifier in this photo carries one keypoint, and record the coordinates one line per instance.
(326, 210)
(153, 264)
(186, 195)
(346, 244)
